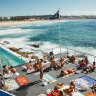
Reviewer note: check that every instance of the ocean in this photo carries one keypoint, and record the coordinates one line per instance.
(78, 35)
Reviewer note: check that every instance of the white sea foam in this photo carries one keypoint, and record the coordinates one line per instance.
(47, 47)
(14, 31)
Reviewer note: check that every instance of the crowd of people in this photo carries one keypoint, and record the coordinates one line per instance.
(7, 70)
(83, 65)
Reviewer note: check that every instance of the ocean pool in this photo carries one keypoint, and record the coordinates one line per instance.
(9, 59)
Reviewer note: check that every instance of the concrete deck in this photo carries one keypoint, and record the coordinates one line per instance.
(34, 88)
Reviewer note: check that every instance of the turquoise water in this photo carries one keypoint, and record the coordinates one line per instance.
(11, 62)
(78, 35)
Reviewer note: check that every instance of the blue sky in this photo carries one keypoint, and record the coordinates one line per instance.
(44, 7)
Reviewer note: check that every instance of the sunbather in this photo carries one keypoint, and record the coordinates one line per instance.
(52, 57)
(13, 70)
(6, 69)
(86, 60)
(61, 64)
(82, 64)
(29, 65)
(38, 65)
(70, 90)
(72, 59)
(62, 73)
(66, 73)
(89, 68)
(53, 64)
(45, 59)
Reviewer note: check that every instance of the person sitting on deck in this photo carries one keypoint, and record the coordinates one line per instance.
(86, 60)
(45, 59)
(6, 69)
(61, 64)
(81, 64)
(90, 68)
(71, 89)
(53, 64)
(29, 65)
(13, 70)
(52, 57)
(72, 59)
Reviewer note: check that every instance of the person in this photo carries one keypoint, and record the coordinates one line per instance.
(61, 93)
(53, 64)
(6, 69)
(13, 70)
(45, 59)
(41, 67)
(91, 68)
(86, 60)
(29, 65)
(71, 88)
(61, 64)
(72, 59)
(81, 64)
(52, 57)
(62, 73)
(72, 85)
(41, 74)
(65, 73)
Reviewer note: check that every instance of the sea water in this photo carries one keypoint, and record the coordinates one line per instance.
(78, 35)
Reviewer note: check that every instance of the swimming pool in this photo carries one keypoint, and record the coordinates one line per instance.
(6, 56)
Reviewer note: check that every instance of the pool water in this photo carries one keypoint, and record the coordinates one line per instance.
(6, 58)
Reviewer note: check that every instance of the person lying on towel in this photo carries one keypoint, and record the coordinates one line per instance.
(64, 73)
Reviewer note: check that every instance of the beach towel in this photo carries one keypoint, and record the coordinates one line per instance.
(57, 57)
(77, 94)
(90, 94)
(84, 81)
(49, 78)
(12, 84)
(22, 80)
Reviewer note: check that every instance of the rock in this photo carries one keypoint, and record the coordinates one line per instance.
(13, 49)
(6, 42)
(35, 45)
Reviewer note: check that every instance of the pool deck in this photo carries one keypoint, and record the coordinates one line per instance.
(34, 88)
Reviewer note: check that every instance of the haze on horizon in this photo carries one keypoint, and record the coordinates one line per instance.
(47, 7)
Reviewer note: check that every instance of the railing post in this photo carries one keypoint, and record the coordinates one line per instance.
(8, 62)
(21, 58)
(94, 58)
(2, 72)
(67, 52)
(75, 53)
